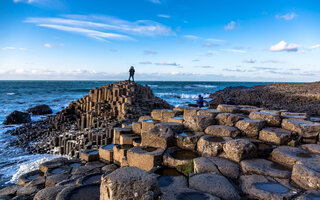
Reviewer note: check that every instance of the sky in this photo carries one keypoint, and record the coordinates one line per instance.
(165, 40)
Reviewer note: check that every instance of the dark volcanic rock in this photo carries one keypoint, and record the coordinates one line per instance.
(17, 117)
(40, 110)
(294, 97)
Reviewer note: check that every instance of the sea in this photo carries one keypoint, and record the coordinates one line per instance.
(21, 95)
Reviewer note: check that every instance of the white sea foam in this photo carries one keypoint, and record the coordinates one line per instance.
(201, 86)
(11, 93)
(193, 96)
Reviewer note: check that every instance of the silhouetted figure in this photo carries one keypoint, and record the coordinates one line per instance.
(200, 101)
(131, 72)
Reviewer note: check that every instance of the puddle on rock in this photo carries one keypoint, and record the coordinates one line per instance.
(82, 193)
(177, 117)
(32, 177)
(108, 147)
(272, 187)
(164, 181)
(186, 134)
(304, 155)
(313, 197)
(192, 196)
(215, 139)
(149, 149)
(73, 165)
(168, 171)
(150, 120)
(93, 152)
(184, 154)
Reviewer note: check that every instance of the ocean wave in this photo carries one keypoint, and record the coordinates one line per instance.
(11, 93)
(193, 96)
(199, 85)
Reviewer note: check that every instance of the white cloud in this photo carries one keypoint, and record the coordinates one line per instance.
(288, 16)
(250, 60)
(210, 44)
(234, 70)
(215, 40)
(315, 46)
(145, 62)
(168, 63)
(191, 37)
(47, 45)
(164, 16)
(283, 46)
(235, 50)
(273, 61)
(13, 48)
(96, 26)
(230, 26)
(204, 66)
(150, 52)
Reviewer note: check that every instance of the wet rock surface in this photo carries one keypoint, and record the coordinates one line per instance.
(17, 117)
(40, 110)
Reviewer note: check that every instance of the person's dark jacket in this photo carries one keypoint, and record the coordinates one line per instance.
(131, 71)
(200, 102)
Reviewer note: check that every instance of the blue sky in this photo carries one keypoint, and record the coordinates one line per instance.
(249, 40)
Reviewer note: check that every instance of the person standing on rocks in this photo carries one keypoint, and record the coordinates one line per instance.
(200, 101)
(131, 72)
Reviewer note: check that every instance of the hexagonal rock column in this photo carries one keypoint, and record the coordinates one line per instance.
(90, 155)
(119, 131)
(57, 162)
(264, 167)
(272, 119)
(83, 192)
(214, 184)
(239, 149)
(199, 122)
(312, 148)
(158, 136)
(189, 112)
(228, 108)
(187, 140)
(305, 128)
(129, 183)
(147, 125)
(174, 156)
(309, 195)
(209, 112)
(306, 174)
(164, 114)
(174, 126)
(263, 187)
(277, 136)
(217, 165)
(288, 156)
(106, 153)
(120, 153)
(27, 177)
(222, 131)
(144, 157)
(250, 127)
(210, 145)
(228, 119)
(136, 127)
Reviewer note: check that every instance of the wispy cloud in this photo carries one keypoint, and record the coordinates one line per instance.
(273, 61)
(250, 60)
(287, 16)
(230, 26)
(210, 44)
(150, 52)
(234, 50)
(145, 62)
(13, 48)
(164, 16)
(204, 66)
(43, 3)
(238, 69)
(192, 37)
(169, 64)
(283, 46)
(96, 26)
(47, 45)
(315, 46)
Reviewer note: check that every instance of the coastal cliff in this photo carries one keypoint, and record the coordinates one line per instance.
(294, 97)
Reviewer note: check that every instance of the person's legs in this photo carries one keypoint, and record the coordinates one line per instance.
(133, 78)
(129, 78)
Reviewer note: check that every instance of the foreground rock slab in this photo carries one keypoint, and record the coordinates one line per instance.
(129, 183)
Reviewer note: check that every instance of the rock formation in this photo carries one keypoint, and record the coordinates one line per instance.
(17, 117)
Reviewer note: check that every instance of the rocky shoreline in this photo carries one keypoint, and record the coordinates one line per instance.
(294, 97)
(141, 148)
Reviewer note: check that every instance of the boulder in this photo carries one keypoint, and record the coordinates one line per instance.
(239, 149)
(228, 119)
(222, 131)
(129, 183)
(289, 156)
(304, 128)
(199, 122)
(144, 157)
(217, 165)
(210, 145)
(40, 110)
(250, 127)
(188, 140)
(10, 190)
(306, 174)
(263, 187)
(158, 137)
(17, 117)
(264, 167)
(214, 184)
(271, 118)
(277, 136)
